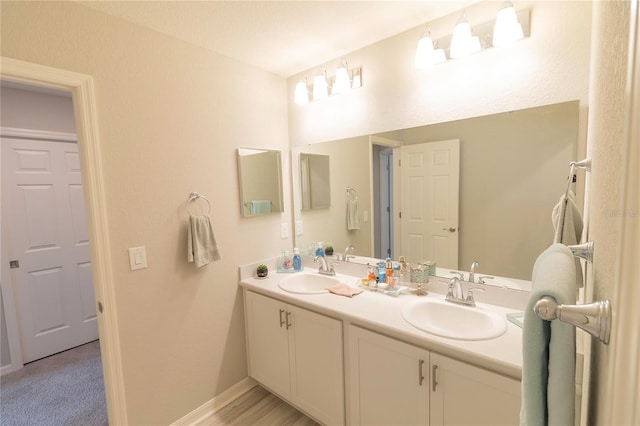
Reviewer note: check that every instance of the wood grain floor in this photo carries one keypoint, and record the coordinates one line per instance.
(259, 407)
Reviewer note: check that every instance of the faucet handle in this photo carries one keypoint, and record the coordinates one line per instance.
(470, 299)
(484, 277)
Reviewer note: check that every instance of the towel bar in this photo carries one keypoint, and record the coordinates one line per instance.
(594, 318)
(584, 251)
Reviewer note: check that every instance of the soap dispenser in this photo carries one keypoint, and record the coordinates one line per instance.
(297, 260)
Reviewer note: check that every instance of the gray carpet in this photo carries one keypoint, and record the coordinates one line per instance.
(66, 389)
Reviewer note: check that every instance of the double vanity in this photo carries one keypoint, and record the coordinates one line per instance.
(378, 359)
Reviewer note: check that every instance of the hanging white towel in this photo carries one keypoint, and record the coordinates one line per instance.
(202, 248)
(353, 222)
(548, 347)
(258, 207)
(571, 231)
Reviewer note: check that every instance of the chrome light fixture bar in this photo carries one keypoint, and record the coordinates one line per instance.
(345, 80)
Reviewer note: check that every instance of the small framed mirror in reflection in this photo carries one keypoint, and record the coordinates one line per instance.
(315, 187)
(260, 175)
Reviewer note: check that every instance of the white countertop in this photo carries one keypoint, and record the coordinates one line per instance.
(382, 313)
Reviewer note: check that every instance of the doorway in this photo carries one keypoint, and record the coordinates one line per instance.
(47, 279)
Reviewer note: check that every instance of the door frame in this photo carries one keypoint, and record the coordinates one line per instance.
(82, 89)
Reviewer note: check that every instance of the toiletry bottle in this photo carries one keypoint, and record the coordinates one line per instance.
(297, 260)
(389, 272)
(382, 273)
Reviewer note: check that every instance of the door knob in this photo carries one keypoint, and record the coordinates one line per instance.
(452, 229)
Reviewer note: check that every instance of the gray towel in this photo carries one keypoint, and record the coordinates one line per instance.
(353, 222)
(571, 231)
(201, 243)
(549, 347)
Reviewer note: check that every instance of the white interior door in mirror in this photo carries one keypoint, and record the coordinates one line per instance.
(430, 180)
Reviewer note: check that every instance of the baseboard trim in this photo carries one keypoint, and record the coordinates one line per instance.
(9, 368)
(202, 413)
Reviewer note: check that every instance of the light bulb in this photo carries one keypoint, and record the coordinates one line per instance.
(507, 28)
(301, 94)
(424, 52)
(341, 83)
(320, 88)
(462, 42)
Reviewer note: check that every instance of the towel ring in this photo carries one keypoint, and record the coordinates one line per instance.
(195, 196)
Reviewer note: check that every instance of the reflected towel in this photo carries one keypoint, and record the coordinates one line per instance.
(201, 243)
(353, 222)
(344, 290)
(549, 347)
(571, 231)
(258, 207)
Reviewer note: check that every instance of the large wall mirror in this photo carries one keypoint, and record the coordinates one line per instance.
(511, 171)
(260, 174)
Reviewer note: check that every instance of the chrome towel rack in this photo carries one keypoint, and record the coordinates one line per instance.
(594, 318)
(193, 197)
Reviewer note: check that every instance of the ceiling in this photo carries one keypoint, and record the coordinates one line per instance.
(283, 37)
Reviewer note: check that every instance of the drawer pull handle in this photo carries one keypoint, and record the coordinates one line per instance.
(420, 374)
(281, 319)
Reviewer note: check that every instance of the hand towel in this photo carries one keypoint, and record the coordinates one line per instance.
(202, 248)
(571, 231)
(258, 207)
(548, 347)
(353, 222)
(344, 290)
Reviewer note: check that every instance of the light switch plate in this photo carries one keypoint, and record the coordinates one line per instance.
(137, 258)
(284, 230)
(299, 227)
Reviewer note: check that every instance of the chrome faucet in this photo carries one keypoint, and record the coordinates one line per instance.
(472, 272)
(324, 268)
(344, 257)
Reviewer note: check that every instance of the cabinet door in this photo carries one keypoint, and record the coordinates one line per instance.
(388, 381)
(317, 369)
(465, 395)
(267, 342)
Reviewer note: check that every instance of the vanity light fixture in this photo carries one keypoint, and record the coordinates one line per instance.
(507, 28)
(463, 42)
(426, 54)
(344, 81)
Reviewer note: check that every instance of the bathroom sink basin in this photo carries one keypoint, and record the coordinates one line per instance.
(308, 283)
(459, 322)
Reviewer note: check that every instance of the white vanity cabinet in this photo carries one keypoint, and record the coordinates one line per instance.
(395, 383)
(298, 354)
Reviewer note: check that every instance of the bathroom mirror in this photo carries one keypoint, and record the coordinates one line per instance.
(260, 174)
(513, 169)
(315, 185)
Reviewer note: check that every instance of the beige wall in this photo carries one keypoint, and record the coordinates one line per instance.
(170, 118)
(606, 144)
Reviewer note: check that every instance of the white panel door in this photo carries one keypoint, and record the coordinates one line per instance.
(43, 206)
(430, 179)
